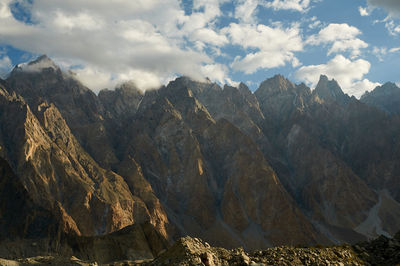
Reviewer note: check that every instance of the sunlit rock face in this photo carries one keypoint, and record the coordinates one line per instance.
(62, 178)
(282, 165)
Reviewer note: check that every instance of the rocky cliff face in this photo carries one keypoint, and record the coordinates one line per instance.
(204, 172)
(79, 106)
(329, 91)
(66, 189)
(223, 164)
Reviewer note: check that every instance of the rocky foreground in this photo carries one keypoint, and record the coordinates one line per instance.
(193, 251)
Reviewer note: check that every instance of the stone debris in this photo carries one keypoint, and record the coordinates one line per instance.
(381, 251)
(193, 251)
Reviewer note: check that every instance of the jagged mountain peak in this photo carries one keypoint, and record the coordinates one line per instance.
(40, 59)
(128, 88)
(279, 96)
(129, 85)
(276, 84)
(190, 82)
(303, 88)
(41, 63)
(324, 84)
(385, 98)
(46, 75)
(43, 78)
(329, 90)
(243, 87)
(185, 86)
(386, 89)
(389, 84)
(123, 101)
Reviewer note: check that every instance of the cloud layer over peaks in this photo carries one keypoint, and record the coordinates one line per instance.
(349, 74)
(113, 41)
(149, 42)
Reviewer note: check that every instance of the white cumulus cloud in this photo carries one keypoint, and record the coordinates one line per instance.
(209, 36)
(215, 72)
(363, 11)
(297, 5)
(275, 46)
(350, 74)
(143, 40)
(340, 37)
(245, 10)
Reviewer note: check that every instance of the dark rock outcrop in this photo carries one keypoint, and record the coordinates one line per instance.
(193, 251)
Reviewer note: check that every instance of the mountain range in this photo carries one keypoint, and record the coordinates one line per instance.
(283, 165)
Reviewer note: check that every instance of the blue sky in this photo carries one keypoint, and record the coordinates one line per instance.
(107, 42)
